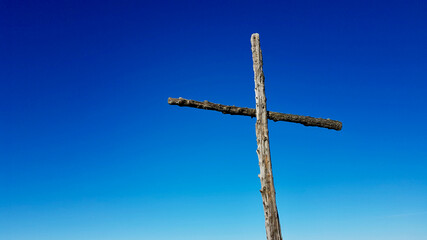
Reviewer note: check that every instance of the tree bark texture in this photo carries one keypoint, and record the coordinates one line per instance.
(275, 116)
(272, 224)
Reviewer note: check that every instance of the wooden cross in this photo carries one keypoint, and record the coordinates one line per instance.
(272, 225)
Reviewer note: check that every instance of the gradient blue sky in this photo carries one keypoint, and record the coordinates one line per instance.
(90, 149)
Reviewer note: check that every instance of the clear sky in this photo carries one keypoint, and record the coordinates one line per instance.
(90, 149)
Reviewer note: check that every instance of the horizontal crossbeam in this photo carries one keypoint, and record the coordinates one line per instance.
(275, 116)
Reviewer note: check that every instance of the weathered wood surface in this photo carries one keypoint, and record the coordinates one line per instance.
(272, 224)
(268, 193)
(275, 116)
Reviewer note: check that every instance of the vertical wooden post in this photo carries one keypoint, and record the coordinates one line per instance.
(272, 224)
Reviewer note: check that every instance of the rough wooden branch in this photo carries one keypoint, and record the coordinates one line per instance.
(272, 223)
(275, 116)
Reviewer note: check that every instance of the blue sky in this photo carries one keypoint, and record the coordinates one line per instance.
(90, 149)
